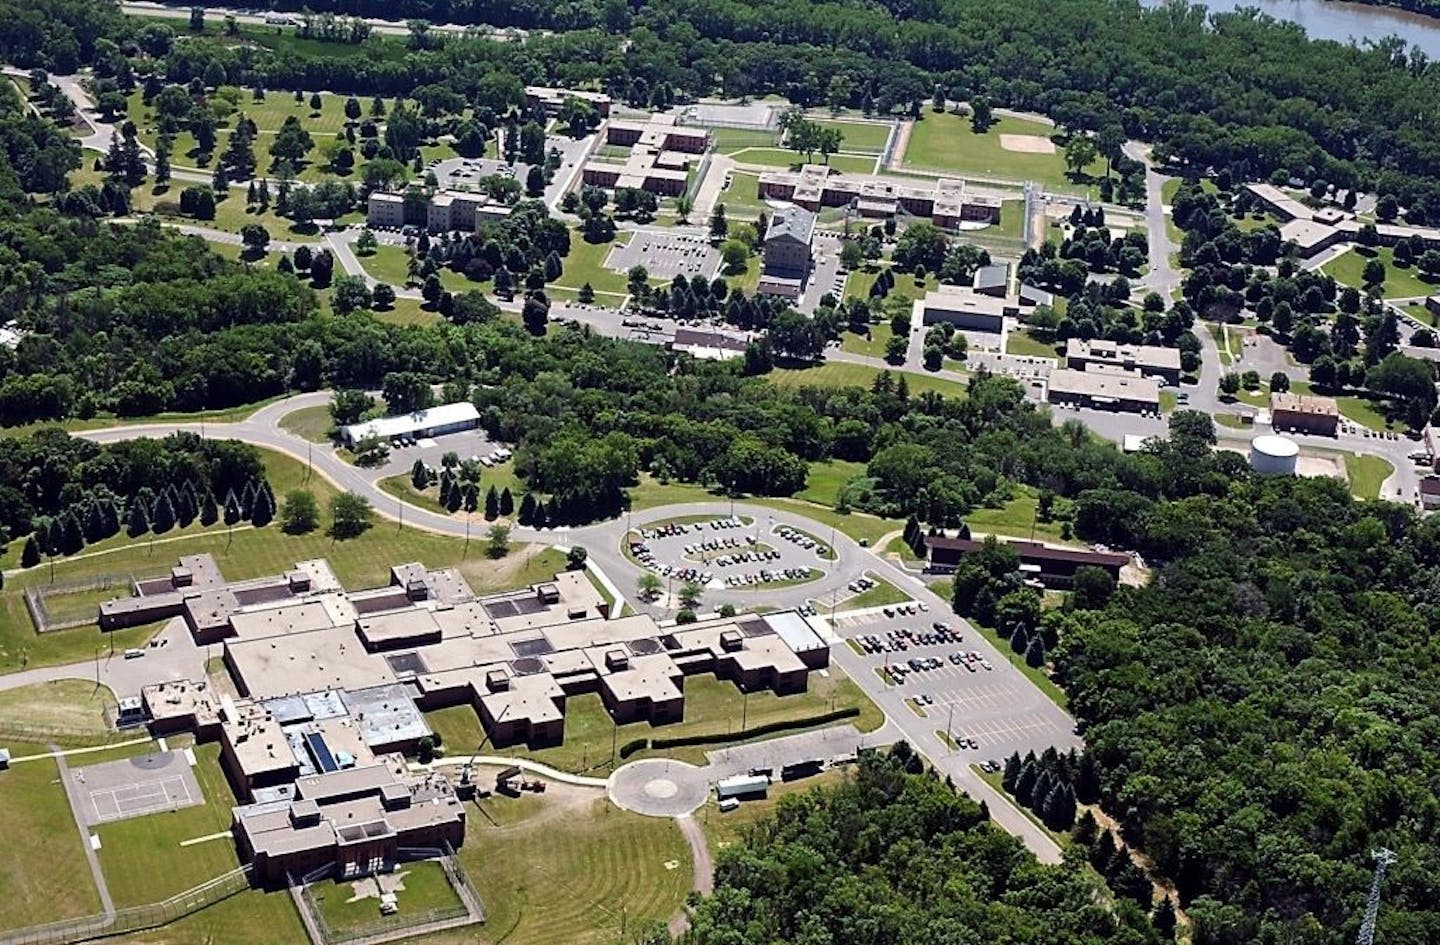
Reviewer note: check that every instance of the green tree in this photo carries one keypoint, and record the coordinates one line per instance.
(30, 555)
(301, 513)
(647, 584)
(350, 515)
(497, 541)
(575, 558)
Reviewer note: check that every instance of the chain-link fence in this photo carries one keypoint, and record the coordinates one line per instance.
(379, 928)
(135, 918)
(69, 604)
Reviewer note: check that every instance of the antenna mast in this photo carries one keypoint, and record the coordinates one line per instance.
(1383, 859)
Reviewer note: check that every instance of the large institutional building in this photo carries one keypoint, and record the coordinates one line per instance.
(947, 202)
(331, 686)
(442, 212)
(661, 152)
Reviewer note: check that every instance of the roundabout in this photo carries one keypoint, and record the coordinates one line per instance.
(658, 787)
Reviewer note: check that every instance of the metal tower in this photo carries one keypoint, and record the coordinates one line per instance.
(1383, 859)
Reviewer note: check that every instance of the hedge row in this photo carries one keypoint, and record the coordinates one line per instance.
(632, 746)
(759, 730)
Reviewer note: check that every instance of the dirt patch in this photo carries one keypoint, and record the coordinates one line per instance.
(1027, 144)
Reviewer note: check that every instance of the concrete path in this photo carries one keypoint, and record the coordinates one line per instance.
(107, 904)
(524, 764)
(703, 868)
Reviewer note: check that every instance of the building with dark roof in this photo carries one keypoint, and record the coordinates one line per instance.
(1054, 566)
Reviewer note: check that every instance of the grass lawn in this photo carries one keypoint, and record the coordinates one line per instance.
(825, 480)
(878, 596)
(1349, 269)
(711, 706)
(586, 263)
(741, 199)
(77, 708)
(313, 423)
(1023, 343)
(1230, 420)
(1017, 519)
(946, 143)
(874, 346)
(906, 285)
(897, 546)
(572, 872)
(249, 553)
(781, 157)
(724, 829)
(1367, 474)
(730, 140)
(44, 875)
(391, 264)
(142, 857)
(868, 137)
(426, 891)
(842, 374)
(254, 917)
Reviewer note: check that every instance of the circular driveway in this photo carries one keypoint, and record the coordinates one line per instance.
(658, 788)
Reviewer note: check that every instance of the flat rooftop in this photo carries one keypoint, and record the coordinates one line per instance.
(1105, 385)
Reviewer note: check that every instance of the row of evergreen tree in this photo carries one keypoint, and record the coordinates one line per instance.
(1124, 876)
(1052, 784)
(457, 493)
(101, 515)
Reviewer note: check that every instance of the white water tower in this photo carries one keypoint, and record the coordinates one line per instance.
(1272, 455)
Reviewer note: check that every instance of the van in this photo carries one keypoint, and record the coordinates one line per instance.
(729, 804)
(134, 654)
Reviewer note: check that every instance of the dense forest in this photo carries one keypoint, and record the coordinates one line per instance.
(894, 856)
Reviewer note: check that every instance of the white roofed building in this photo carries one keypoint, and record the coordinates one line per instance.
(433, 421)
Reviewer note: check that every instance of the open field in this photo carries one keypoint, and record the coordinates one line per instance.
(843, 374)
(77, 708)
(741, 199)
(1349, 269)
(586, 263)
(906, 286)
(868, 137)
(711, 706)
(825, 480)
(572, 870)
(874, 346)
(390, 264)
(248, 553)
(781, 157)
(1017, 518)
(730, 140)
(253, 917)
(43, 875)
(946, 143)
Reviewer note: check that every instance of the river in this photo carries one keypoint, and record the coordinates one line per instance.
(1330, 19)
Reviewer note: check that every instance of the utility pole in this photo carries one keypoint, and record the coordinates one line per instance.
(949, 728)
(1383, 859)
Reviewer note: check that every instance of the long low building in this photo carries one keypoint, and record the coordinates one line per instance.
(432, 421)
(551, 100)
(661, 152)
(1050, 564)
(947, 202)
(1103, 388)
(1149, 360)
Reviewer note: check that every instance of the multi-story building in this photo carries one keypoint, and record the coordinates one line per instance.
(661, 152)
(1304, 413)
(1152, 360)
(947, 202)
(552, 99)
(441, 212)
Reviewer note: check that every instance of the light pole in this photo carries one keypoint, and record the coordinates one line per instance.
(949, 733)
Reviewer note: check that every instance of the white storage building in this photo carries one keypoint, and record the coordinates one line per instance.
(433, 421)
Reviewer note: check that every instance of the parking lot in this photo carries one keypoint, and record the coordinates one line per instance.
(948, 679)
(666, 255)
(466, 444)
(736, 553)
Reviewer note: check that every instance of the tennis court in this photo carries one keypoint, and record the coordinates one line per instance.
(134, 787)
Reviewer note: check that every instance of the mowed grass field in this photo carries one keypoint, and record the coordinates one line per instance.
(726, 829)
(1367, 474)
(245, 553)
(1017, 518)
(426, 891)
(44, 875)
(867, 137)
(712, 706)
(946, 143)
(826, 479)
(70, 708)
(253, 917)
(1349, 269)
(572, 871)
(781, 157)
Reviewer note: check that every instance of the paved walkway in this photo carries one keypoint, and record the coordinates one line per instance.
(107, 904)
(703, 867)
(524, 764)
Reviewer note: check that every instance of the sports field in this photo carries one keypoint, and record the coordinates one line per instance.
(570, 869)
(946, 143)
(867, 137)
(781, 157)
